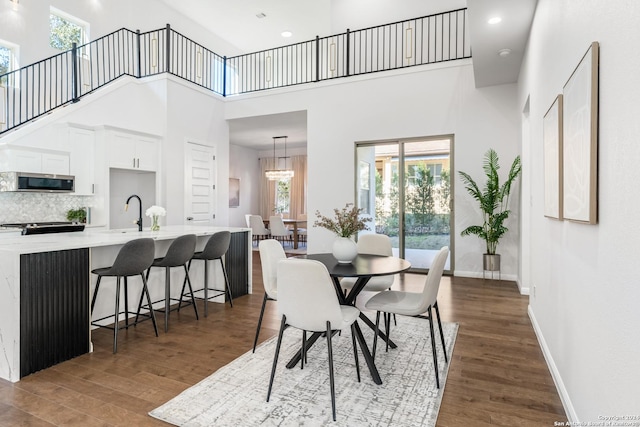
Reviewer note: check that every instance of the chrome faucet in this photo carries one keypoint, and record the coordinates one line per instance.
(126, 206)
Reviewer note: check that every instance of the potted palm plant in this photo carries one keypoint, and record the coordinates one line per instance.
(494, 204)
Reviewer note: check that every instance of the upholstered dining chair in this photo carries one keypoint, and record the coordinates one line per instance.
(414, 304)
(302, 231)
(258, 230)
(372, 244)
(271, 252)
(278, 230)
(311, 304)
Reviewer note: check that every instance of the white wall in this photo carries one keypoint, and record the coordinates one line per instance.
(585, 294)
(441, 100)
(195, 115)
(244, 164)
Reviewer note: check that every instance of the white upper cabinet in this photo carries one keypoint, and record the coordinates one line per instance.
(130, 150)
(33, 160)
(81, 144)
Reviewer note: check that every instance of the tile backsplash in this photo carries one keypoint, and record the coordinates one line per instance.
(26, 207)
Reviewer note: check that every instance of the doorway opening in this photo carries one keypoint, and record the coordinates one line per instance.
(405, 187)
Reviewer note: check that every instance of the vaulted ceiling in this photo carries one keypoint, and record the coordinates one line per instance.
(241, 24)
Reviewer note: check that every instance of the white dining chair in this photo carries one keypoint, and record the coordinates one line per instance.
(278, 230)
(414, 304)
(258, 230)
(373, 244)
(307, 300)
(271, 252)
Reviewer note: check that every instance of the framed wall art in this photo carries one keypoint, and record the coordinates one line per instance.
(552, 138)
(580, 141)
(234, 192)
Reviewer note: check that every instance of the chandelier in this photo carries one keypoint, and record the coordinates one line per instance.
(278, 174)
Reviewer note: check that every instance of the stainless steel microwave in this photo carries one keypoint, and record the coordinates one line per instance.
(36, 182)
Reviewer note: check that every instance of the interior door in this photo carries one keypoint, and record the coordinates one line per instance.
(200, 184)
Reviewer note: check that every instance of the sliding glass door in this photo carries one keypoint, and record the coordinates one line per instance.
(405, 187)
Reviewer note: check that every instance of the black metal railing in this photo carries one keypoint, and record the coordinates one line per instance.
(37, 89)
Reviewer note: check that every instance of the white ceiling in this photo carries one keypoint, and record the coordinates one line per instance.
(236, 22)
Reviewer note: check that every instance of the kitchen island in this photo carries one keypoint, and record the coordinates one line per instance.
(46, 288)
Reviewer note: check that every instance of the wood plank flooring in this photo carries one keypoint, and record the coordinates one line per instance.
(497, 375)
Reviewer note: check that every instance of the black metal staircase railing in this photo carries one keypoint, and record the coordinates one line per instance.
(37, 89)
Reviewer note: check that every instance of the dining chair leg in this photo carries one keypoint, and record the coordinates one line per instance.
(387, 327)
(355, 350)
(331, 379)
(433, 347)
(444, 349)
(375, 335)
(303, 349)
(117, 315)
(145, 291)
(255, 340)
(275, 357)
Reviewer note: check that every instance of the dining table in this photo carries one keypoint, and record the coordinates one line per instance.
(363, 268)
(293, 222)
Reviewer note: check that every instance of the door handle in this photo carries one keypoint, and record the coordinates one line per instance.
(189, 218)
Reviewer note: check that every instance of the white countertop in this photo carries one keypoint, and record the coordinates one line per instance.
(14, 242)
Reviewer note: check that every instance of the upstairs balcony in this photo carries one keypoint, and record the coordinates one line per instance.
(38, 89)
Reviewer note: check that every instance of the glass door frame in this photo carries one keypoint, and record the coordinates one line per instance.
(401, 190)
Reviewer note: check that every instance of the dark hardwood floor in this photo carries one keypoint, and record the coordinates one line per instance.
(497, 375)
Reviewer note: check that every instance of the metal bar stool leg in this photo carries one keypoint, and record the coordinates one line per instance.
(145, 291)
(167, 296)
(117, 312)
(126, 303)
(95, 293)
(226, 283)
(206, 288)
(193, 300)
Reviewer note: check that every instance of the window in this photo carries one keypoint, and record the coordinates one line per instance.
(283, 191)
(66, 30)
(8, 57)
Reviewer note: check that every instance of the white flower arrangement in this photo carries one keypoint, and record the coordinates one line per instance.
(156, 211)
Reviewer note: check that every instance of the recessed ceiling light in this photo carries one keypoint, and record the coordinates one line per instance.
(286, 34)
(494, 20)
(504, 52)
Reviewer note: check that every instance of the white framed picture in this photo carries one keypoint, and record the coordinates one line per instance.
(580, 141)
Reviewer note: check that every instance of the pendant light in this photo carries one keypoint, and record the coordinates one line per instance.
(278, 174)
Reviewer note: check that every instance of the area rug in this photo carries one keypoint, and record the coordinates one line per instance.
(235, 395)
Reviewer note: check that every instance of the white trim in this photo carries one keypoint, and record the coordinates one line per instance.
(553, 369)
(478, 275)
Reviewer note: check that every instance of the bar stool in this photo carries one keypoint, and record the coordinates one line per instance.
(180, 251)
(215, 248)
(132, 259)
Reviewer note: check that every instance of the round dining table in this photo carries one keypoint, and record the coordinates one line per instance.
(363, 268)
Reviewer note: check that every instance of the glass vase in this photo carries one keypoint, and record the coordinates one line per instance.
(154, 223)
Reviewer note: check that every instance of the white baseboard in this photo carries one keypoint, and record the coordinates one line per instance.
(555, 374)
(477, 275)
